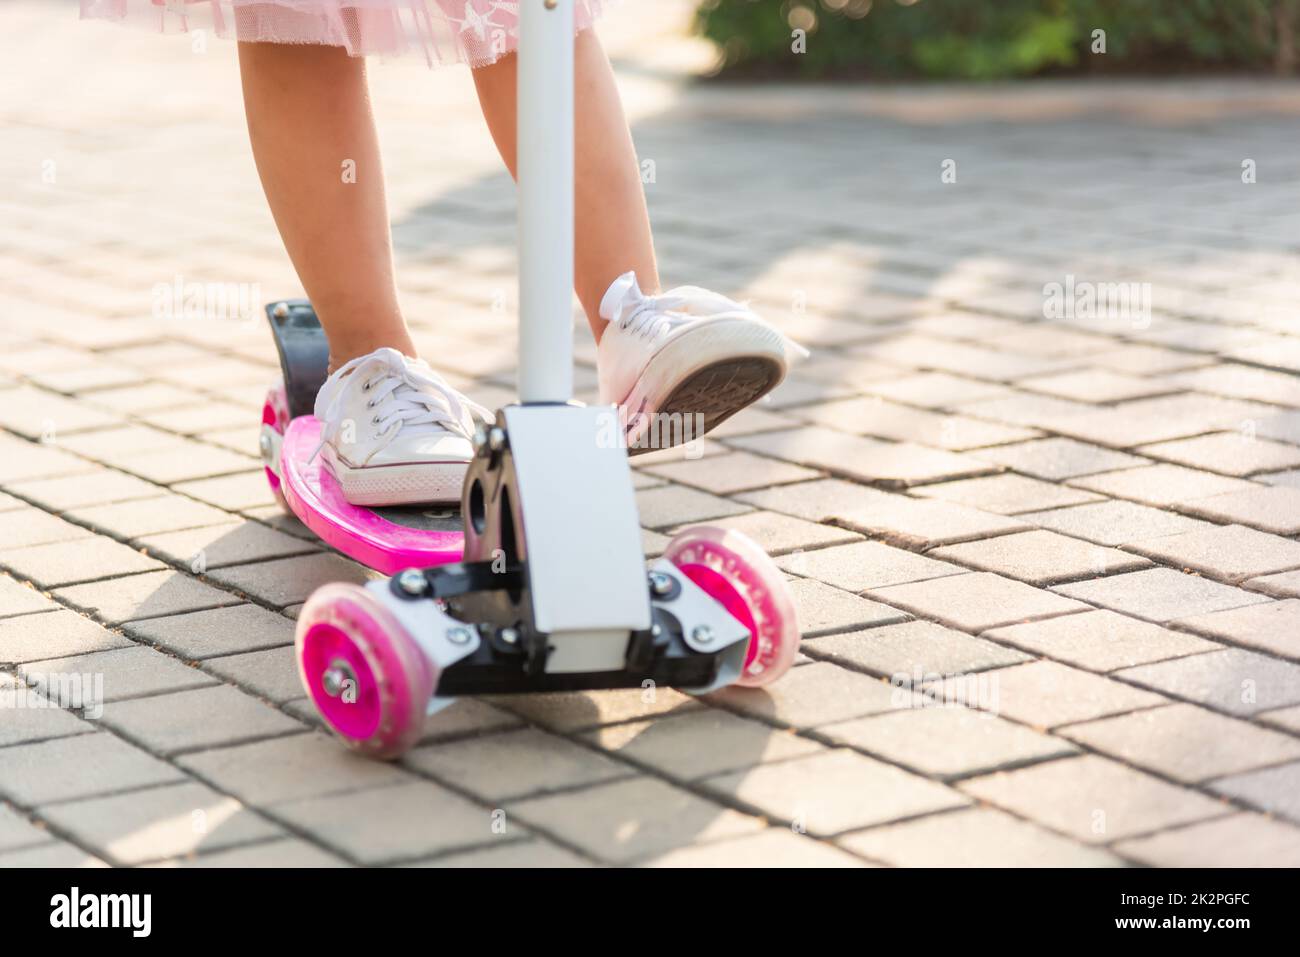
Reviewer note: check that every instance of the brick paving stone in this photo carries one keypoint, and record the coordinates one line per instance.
(1096, 385)
(58, 634)
(1232, 680)
(145, 516)
(1185, 742)
(813, 695)
(17, 832)
(127, 672)
(823, 500)
(776, 533)
(67, 563)
(1007, 494)
(871, 460)
(151, 595)
(945, 742)
(1241, 840)
(1225, 552)
(78, 766)
(1286, 718)
(1288, 479)
(146, 397)
(1092, 799)
(937, 390)
(157, 823)
(823, 609)
(118, 443)
(568, 712)
(1101, 640)
(1055, 459)
(217, 631)
(271, 674)
(751, 420)
(671, 505)
(1044, 694)
(1242, 382)
(1162, 485)
(1271, 626)
(1040, 557)
(287, 581)
(1147, 423)
(1274, 509)
(673, 746)
(1275, 790)
(1229, 453)
(101, 487)
(231, 492)
(465, 716)
(1160, 594)
(878, 418)
(1113, 523)
(864, 565)
(287, 852)
(531, 853)
(28, 717)
(634, 819)
(832, 792)
(1285, 585)
(924, 523)
(219, 545)
(403, 822)
(186, 462)
(10, 504)
(733, 472)
(50, 854)
(515, 764)
(773, 847)
(32, 412)
(976, 837)
(25, 462)
(976, 601)
(31, 526)
(912, 652)
(209, 717)
(289, 768)
(17, 599)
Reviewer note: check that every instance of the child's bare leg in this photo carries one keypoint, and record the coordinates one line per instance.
(610, 218)
(308, 114)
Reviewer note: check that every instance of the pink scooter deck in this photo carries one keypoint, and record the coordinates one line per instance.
(387, 540)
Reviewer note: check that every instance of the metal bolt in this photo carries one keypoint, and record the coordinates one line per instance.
(496, 438)
(412, 581)
(550, 4)
(459, 636)
(281, 310)
(480, 440)
(336, 677)
(702, 634)
(264, 443)
(661, 585)
(509, 635)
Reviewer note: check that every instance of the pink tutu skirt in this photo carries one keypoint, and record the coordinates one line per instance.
(477, 32)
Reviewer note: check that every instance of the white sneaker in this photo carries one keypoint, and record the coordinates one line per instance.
(394, 432)
(680, 363)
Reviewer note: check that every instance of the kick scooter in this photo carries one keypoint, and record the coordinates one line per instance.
(543, 587)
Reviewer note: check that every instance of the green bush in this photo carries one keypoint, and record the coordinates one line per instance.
(992, 39)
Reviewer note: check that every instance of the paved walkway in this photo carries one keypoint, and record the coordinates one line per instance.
(1074, 510)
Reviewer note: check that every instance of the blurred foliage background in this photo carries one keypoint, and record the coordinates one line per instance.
(998, 39)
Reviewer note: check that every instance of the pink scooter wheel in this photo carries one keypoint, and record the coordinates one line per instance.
(740, 576)
(275, 413)
(365, 673)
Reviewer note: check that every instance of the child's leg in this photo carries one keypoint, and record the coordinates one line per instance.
(308, 116)
(610, 218)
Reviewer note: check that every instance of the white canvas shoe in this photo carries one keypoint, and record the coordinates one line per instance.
(394, 432)
(680, 363)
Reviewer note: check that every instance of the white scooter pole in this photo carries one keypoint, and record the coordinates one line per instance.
(545, 168)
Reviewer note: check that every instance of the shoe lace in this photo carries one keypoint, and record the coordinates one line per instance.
(406, 392)
(645, 315)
